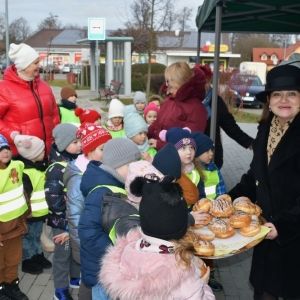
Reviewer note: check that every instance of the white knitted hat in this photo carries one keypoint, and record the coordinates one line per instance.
(22, 55)
(28, 146)
(115, 109)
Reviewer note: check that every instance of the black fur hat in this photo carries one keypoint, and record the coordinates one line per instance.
(163, 211)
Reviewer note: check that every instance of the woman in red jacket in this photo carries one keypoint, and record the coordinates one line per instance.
(27, 104)
(182, 107)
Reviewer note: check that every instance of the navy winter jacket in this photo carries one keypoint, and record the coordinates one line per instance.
(93, 239)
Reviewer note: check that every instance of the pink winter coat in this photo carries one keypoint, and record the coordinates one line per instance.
(128, 273)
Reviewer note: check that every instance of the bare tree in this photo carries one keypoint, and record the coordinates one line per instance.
(19, 30)
(171, 18)
(72, 26)
(183, 17)
(51, 22)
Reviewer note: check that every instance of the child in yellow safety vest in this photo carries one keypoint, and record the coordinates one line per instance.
(93, 139)
(13, 213)
(115, 122)
(136, 129)
(182, 139)
(213, 184)
(32, 153)
(97, 180)
(65, 149)
(68, 105)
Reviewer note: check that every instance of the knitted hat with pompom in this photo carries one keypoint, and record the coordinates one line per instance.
(30, 147)
(87, 115)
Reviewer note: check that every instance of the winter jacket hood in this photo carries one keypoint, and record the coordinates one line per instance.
(28, 107)
(193, 88)
(94, 176)
(149, 275)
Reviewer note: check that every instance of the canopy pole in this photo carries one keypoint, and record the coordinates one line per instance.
(213, 120)
(198, 47)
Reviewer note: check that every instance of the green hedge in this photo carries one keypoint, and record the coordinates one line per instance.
(143, 68)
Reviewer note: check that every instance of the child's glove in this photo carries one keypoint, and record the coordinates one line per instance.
(62, 238)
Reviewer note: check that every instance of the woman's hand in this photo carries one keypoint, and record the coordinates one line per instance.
(62, 238)
(200, 217)
(1, 244)
(152, 143)
(205, 277)
(273, 233)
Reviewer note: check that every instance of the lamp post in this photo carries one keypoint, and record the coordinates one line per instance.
(7, 33)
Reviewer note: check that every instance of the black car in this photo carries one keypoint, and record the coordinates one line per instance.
(245, 87)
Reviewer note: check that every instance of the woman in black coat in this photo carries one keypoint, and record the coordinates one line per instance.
(225, 120)
(273, 183)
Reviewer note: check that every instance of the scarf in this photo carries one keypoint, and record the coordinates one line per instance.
(68, 104)
(187, 169)
(25, 77)
(154, 245)
(206, 102)
(275, 134)
(144, 147)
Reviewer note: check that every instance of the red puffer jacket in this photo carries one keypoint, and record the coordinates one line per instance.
(28, 107)
(183, 110)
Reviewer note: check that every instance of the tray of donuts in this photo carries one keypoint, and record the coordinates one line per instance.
(233, 227)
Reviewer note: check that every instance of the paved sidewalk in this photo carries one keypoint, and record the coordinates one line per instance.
(232, 272)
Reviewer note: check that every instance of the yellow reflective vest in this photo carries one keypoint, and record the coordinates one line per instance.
(194, 176)
(210, 184)
(12, 200)
(38, 202)
(68, 116)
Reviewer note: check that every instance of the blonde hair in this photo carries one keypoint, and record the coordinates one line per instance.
(199, 168)
(179, 72)
(156, 97)
(184, 249)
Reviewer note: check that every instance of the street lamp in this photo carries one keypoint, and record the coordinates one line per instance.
(7, 33)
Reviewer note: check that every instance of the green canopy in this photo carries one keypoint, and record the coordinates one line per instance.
(253, 16)
(260, 16)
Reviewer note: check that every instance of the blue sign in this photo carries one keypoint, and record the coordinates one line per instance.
(96, 29)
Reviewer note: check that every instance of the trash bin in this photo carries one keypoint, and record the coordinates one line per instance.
(48, 77)
(71, 78)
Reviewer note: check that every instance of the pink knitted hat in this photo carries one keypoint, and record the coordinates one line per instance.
(135, 169)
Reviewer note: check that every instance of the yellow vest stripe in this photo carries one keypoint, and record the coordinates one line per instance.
(39, 206)
(37, 195)
(13, 205)
(209, 190)
(5, 197)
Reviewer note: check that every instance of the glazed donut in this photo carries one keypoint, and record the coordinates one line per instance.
(204, 248)
(227, 234)
(221, 208)
(202, 204)
(205, 234)
(244, 205)
(239, 219)
(219, 225)
(257, 210)
(225, 197)
(251, 230)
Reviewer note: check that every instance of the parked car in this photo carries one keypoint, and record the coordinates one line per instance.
(51, 68)
(75, 69)
(245, 87)
(66, 68)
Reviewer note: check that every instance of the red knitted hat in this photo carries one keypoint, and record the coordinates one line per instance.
(150, 106)
(92, 136)
(87, 115)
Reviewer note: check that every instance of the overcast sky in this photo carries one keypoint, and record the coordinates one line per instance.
(78, 11)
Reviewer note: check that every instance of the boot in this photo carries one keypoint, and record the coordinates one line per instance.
(31, 267)
(40, 259)
(47, 244)
(13, 291)
(62, 294)
(215, 285)
(2, 293)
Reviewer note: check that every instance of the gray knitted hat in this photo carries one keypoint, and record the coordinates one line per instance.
(64, 134)
(119, 152)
